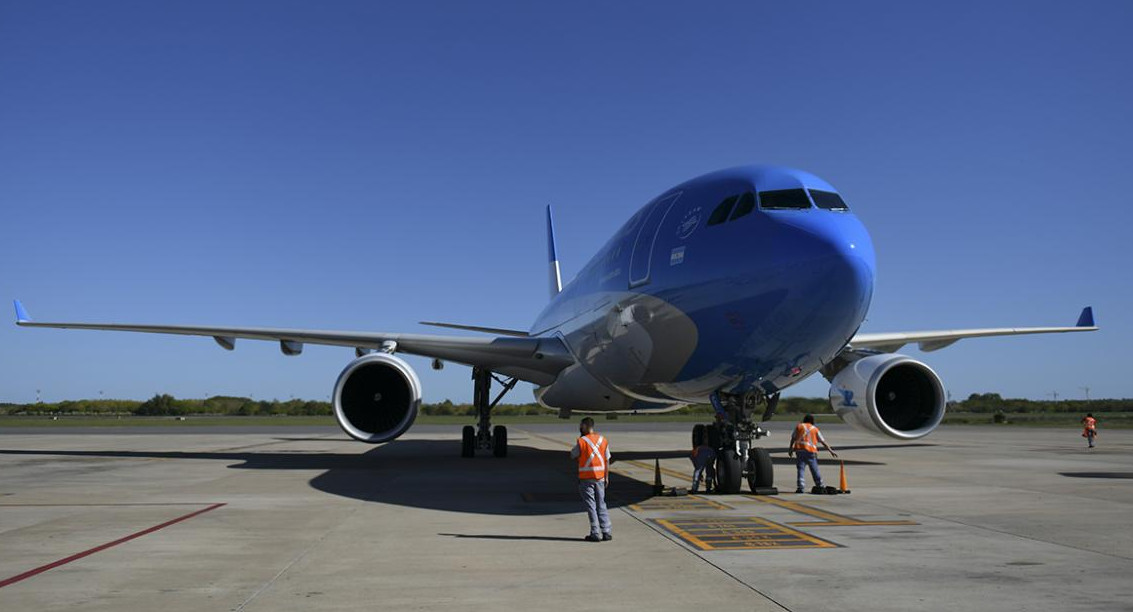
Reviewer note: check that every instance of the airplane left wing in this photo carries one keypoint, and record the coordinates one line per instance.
(537, 360)
(935, 340)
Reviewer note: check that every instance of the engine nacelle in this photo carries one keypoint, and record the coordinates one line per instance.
(376, 398)
(889, 394)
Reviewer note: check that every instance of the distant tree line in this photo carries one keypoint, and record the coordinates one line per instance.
(167, 405)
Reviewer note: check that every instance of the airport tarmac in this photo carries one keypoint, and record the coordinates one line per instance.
(290, 518)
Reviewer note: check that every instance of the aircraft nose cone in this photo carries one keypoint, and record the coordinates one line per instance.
(836, 264)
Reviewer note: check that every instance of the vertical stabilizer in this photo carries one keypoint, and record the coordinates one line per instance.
(552, 254)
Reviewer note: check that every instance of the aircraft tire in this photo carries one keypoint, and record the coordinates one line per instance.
(499, 441)
(697, 435)
(468, 441)
(729, 472)
(761, 472)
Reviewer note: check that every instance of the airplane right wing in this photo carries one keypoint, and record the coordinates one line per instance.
(936, 340)
(532, 359)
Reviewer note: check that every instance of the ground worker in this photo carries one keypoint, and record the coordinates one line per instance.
(1090, 429)
(703, 466)
(593, 454)
(804, 443)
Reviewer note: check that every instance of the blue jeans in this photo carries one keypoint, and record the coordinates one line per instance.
(703, 465)
(802, 460)
(594, 498)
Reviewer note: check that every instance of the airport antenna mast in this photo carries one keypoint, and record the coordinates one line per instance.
(1087, 390)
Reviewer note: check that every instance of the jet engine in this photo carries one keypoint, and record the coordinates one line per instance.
(376, 398)
(889, 394)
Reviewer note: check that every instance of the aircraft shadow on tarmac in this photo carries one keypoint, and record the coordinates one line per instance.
(424, 473)
(1117, 475)
(417, 473)
(488, 536)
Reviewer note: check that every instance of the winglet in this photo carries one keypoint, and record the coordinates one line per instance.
(1086, 319)
(21, 313)
(553, 256)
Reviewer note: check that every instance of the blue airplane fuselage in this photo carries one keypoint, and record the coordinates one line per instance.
(735, 281)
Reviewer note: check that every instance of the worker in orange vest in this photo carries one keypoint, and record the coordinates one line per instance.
(804, 444)
(1090, 429)
(593, 454)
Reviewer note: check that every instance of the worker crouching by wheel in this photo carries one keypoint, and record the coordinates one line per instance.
(804, 445)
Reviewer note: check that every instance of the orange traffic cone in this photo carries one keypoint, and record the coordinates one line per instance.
(842, 486)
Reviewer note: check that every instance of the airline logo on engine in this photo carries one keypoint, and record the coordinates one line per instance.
(848, 398)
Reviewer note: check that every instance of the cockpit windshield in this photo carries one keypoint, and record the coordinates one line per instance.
(720, 214)
(784, 199)
(828, 200)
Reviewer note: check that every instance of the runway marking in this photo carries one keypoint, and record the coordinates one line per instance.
(90, 551)
(690, 502)
(99, 505)
(743, 533)
(829, 519)
(664, 470)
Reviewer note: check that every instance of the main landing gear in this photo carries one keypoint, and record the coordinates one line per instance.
(732, 435)
(484, 436)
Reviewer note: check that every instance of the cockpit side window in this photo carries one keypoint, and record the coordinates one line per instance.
(828, 200)
(720, 214)
(784, 199)
(746, 205)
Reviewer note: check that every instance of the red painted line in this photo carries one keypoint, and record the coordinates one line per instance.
(93, 504)
(102, 547)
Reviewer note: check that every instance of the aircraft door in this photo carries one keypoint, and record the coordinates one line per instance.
(642, 256)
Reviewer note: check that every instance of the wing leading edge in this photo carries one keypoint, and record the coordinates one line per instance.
(935, 340)
(537, 360)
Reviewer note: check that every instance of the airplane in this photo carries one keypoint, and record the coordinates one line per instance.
(725, 289)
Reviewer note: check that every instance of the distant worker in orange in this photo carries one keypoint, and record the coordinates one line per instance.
(804, 444)
(593, 454)
(1090, 429)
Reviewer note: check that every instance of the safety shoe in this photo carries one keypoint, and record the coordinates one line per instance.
(799, 490)
(592, 538)
(606, 537)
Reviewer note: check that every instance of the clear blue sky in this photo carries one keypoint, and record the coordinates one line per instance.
(369, 165)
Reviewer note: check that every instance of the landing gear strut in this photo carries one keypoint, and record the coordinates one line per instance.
(484, 436)
(732, 435)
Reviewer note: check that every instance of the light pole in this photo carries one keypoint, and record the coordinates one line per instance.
(1087, 390)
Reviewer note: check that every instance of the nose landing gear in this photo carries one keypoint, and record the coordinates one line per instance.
(732, 435)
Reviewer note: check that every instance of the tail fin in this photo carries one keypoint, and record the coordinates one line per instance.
(552, 254)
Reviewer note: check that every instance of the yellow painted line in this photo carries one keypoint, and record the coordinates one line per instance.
(664, 470)
(829, 519)
(747, 533)
(691, 502)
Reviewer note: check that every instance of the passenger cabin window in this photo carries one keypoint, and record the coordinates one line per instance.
(784, 199)
(828, 200)
(722, 211)
(746, 205)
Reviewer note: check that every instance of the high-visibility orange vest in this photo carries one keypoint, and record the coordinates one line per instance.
(592, 457)
(806, 437)
(1091, 424)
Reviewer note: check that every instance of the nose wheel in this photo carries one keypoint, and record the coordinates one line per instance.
(732, 436)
